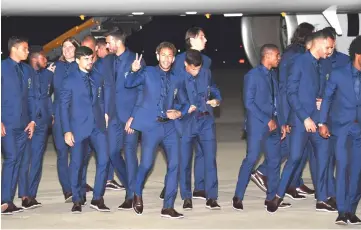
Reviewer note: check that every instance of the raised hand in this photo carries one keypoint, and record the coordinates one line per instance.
(137, 63)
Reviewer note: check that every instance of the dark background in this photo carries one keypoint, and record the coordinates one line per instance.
(224, 44)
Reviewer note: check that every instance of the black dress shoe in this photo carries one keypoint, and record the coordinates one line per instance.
(113, 185)
(76, 209)
(353, 219)
(171, 213)
(282, 205)
(212, 204)
(274, 204)
(332, 202)
(127, 205)
(162, 194)
(187, 205)
(138, 204)
(36, 203)
(260, 180)
(341, 219)
(237, 204)
(306, 191)
(294, 195)
(99, 205)
(324, 207)
(28, 203)
(201, 194)
(68, 197)
(11, 209)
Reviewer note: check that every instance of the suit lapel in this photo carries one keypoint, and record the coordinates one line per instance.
(350, 86)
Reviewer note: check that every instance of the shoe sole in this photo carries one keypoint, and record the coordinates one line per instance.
(171, 217)
(284, 207)
(99, 210)
(325, 210)
(289, 196)
(305, 194)
(29, 208)
(125, 209)
(76, 212)
(198, 197)
(187, 209)
(259, 185)
(215, 208)
(340, 223)
(359, 223)
(68, 200)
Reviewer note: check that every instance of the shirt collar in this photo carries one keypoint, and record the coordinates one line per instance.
(264, 69)
(120, 57)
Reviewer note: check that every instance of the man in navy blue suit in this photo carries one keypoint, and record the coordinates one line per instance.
(17, 121)
(342, 98)
(334, 60)
(121, 136)
(199, 126)
(304, 91)
(265, 124)
(33, 160)
(297, 189)
(155, 119)
(84, 123)
(195, 40)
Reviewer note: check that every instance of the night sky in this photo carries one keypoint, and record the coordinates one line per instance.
(223, 34)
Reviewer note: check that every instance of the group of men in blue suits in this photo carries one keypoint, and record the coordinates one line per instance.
(102, 105)
(305, 106)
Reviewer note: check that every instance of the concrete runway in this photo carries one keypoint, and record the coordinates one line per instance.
(55, 214)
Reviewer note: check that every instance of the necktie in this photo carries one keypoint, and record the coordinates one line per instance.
(272, 93)
(88, 84)
(357, 85)
(166, 90)
(20, 74)
(318, 78)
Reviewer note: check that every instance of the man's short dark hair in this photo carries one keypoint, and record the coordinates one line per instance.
(36, 54)
(193, 57)
(266, 47)
(118, 35)
(167, 45)
(323, 34)
(82, 51)
(355, 47)
(14, 41)
(331, 30)
(192, 33)
(101, 42)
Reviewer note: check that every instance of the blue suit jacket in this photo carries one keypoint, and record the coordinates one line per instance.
(287, 60)
(17, 104)
(62, 70)
(126, 99)
(43, 81)
(302, 91)
(145, 117)
(205, 90)
(79, 114)
(340, 98)
(258, 98)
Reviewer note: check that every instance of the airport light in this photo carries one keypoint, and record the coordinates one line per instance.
(191, 12)
(233, 15)
(208, 16)
(138, 13)
(241, 61)
(82, 17)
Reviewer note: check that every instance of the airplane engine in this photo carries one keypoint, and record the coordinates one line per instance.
(278, 30)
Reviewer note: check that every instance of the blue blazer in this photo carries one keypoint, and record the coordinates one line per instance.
(206, 90)
(43, 81)
(145, 117)
(258, 98)
(17, 104)
(302, 90)
(79, 114)
(340, 98)
(126, 99)
(62, 70)
(287, 60)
